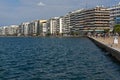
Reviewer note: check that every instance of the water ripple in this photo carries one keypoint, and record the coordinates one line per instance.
(54, 59)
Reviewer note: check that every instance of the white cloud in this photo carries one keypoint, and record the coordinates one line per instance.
(41, 4)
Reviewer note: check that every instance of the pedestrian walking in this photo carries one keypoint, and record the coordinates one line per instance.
(116, 39)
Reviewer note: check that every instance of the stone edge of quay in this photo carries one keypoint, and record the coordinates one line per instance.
(112, 51)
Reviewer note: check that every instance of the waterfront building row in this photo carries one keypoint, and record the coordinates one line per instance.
(79, 21)
(53, 26)
(11, 30)
(32, 28)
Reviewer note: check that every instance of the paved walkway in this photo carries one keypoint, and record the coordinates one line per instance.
(107, 44)
(109, 41)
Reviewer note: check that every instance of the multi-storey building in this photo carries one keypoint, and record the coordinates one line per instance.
(24, 29)
(56, 25)
(34, 28)
(11, 30)
(43, 29)
(2, 31)
(75, 22)
(95, 19)
(53, 25)
(115, 15)
(29, 28)
(66, 24)
(61, 25)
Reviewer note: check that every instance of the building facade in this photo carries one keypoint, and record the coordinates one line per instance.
(11, 30)
(53, 25)
(66, 24)
(34, 25)
(115, 15)
(43, 27)
(24, 29)
(95, 19)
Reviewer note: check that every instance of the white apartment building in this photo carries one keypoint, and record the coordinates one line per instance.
(10, 30)
(34, 27)
(60, 25)
(66, 24)
(24, 28)
(13, 30)
(53, 25)
(115, 15)
(57, 26)
(2, 31)
(43, 29)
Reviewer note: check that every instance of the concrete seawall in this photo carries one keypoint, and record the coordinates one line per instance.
(113, 51)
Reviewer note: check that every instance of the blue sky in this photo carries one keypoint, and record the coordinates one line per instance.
(18, 11)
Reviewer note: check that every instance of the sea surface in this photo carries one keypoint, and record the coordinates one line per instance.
(55, 59)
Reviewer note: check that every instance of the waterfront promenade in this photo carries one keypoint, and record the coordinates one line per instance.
(109, 41)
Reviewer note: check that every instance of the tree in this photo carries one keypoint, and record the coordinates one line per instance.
(71, 33)
(75, 33)
(48, 34)
(106, 30)
(117, 28)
